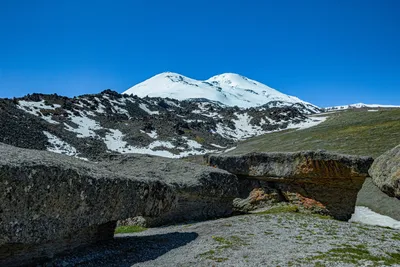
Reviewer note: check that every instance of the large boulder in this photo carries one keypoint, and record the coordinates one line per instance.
(372, 197)
(203, 192)
(319, 181)
(50, 203)
(385, 172)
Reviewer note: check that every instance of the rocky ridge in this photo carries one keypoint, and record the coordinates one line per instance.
(88, 126)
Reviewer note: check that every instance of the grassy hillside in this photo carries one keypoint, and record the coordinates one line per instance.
(357, 132)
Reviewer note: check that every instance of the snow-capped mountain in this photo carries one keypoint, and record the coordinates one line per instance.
(229, 89)
(359, 105)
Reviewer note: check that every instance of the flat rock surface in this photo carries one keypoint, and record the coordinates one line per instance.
(284, 239)
(385, 172)
(183, 176)
(306, 165)
(203, 192)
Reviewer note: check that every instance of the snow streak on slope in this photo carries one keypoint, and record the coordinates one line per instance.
(359, 105)
(244, 129)
(59, 146)
(229, 89)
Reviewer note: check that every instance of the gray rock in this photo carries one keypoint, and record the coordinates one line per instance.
(203, 192)
(372, 197)
(50, 203)
(385, 172)
(318, 181)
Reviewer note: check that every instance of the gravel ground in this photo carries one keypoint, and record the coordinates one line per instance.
(284, 239)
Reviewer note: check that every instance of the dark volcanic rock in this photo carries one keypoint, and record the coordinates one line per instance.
(51, 203)
(385, 172)
(19, 128)
(319, 181)
(203, 192)
(89, 125)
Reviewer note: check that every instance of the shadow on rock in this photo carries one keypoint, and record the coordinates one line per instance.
(125, 250)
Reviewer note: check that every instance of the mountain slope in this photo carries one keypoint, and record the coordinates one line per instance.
(229, 89)
(89, 126)
(354, 132)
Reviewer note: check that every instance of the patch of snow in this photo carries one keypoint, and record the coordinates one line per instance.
(86, 126)
(372, 110)
(310, 122)
(192, 144)
(218, 146)
(367, 216)
(245, 130)
(171, 103)
(101, 109)
(161, 144)
(114, 141)
(34, 108)
(145, 108)
(189, 121)
(229, 149)
(153, 134)
(59, 146)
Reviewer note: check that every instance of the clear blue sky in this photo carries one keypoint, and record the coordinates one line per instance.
(328, 52)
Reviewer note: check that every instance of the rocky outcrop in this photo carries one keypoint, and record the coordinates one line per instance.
(319, 181)
(202, 192)
(385, 172)
(50, 203)
(372, 197)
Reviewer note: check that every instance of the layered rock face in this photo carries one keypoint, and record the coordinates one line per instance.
(385, 172)
(50, 203)
(202, 192)
(319, 181)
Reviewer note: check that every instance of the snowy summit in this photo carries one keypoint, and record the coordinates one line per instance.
(230, 89)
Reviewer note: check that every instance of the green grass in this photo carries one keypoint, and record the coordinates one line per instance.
(229, 242)
(356, 132)
(396, 236)
(279, 209)
(129, 229)
(223, 243)
(355, 255)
